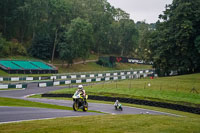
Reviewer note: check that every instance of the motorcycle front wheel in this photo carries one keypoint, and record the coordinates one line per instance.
(75, 106)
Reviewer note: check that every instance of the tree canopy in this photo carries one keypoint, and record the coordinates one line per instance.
(174, 45)
(69, 29)
(89, 26)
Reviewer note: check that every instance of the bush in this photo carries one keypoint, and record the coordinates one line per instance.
(105, 62)
(8, 48)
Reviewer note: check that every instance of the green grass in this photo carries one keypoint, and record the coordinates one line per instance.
(23, 103)
(107, 124)
(88, 67)
(167, 89)
(92, 66)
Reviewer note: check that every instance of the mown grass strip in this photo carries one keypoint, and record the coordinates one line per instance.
(24, 103)
(107, 124)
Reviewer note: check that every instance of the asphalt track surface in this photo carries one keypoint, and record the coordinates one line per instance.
(14, 114)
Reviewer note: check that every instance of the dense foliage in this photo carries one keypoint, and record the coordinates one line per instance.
(175, 43)
(68, 29)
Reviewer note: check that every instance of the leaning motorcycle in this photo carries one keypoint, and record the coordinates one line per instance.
(80, 102)
(118, 107)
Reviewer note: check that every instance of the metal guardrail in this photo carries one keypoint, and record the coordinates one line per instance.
(72, 75)
(74, 78)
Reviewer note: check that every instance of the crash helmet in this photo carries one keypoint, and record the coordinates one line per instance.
(117, 101)
(80, 87)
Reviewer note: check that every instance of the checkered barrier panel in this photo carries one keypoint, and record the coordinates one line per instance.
(78, 76)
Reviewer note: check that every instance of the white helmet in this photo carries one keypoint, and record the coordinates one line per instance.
(80, 87)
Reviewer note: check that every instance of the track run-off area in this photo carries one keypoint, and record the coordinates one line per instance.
(10, 114)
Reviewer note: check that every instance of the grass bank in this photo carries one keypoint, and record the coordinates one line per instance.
(177, 89)
(107, 124)
(92, 66)
(88, 67)
(24, 103)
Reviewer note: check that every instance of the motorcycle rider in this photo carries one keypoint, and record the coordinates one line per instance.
(116, 103)
(81, 90)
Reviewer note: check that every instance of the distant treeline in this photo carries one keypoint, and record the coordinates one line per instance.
(69, 29)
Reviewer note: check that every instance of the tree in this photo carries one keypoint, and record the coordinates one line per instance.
(174, 44)
(77, 41)
(125, 36)
(145, 30)
(42, 43)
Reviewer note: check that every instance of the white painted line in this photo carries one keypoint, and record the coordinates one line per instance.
(155, 111)
(36, 119)
(14, 89)
(28, 95)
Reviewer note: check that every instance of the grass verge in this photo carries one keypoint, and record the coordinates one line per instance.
(24, 103)
(175, 89)
(107, 124)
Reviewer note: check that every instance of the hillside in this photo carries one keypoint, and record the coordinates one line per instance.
(78, 66)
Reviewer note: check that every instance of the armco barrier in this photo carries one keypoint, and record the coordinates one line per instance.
(79, 75)
(178, 107)
(17, 86)
(89, 79)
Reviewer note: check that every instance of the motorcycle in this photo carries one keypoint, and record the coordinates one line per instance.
(118, 107)
(80, 102)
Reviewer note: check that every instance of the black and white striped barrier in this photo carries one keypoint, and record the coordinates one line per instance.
(15, 86)
(78, 76)
(92, 79)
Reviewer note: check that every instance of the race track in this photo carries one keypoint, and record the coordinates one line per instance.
(13, 114)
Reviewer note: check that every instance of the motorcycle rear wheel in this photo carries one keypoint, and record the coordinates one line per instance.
(85, 107)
